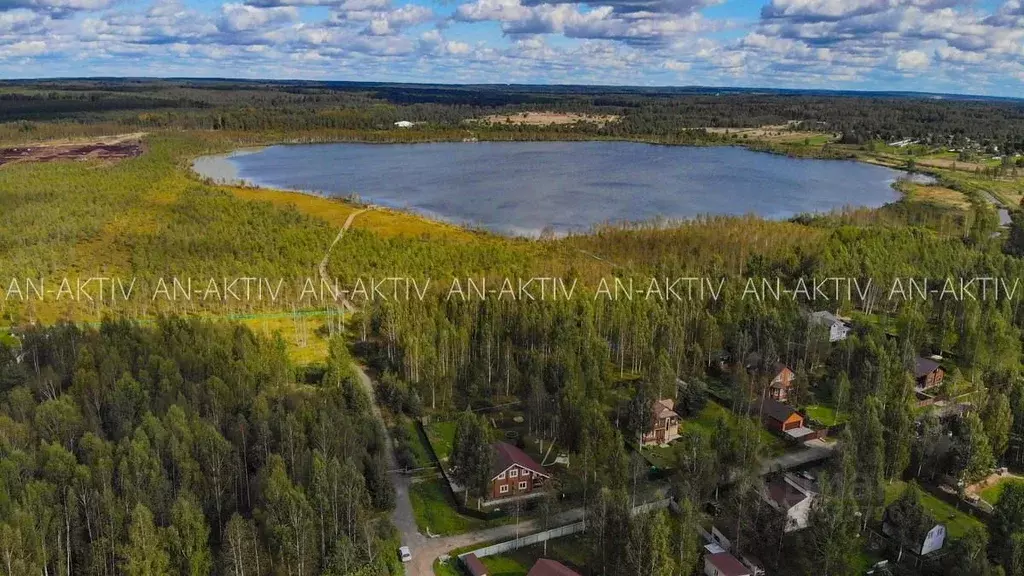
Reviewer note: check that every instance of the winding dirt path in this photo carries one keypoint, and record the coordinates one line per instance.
(323, 263)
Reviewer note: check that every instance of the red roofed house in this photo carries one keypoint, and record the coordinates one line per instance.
(724, 564)
(664, 423)
(782, 381)
(546, 567)
(513, 472)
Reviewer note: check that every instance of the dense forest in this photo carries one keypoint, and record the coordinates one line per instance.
(310, 106)
(169, 444)
(185, 447)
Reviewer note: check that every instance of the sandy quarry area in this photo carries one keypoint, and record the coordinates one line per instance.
(548, 118)
(109, 148)
(782, 133)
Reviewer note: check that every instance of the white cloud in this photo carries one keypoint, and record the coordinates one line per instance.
(600, 21)
(677, 66)
(912, 60)
(242, 17)
(24, 48)
(828, 43)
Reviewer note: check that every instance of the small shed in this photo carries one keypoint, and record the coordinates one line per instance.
(473, 565)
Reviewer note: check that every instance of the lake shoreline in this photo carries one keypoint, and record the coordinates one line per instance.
(566, 187)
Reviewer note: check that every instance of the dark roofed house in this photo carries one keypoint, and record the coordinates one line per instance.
(514, 472)
(928, 373)
(793, 496)
(724, 564)
(473, 565)
(838, 329)
(548, 567)
(778, 416)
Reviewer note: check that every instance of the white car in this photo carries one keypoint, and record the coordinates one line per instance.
(405, 554)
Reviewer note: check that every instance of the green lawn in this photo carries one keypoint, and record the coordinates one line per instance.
(8, 339)
(435, 513)
(824, 415)
(442, 437)
(704, 422)
(993, 492)
(660, 457)
(504, 566)
(570, 550)
(415, 444)
(957, 522)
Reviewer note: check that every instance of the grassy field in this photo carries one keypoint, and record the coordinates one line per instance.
(415, 444)
(436, 514)
(825, 415)
(570, 551)
(504, 566)
(661, 457)
(957, 522)
(336, 211)
(706, 420)
(938, 195)
(993, 492)
(300, 332)
(441, 436)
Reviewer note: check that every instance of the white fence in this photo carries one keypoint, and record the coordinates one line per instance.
(525, 541)
(539, 537)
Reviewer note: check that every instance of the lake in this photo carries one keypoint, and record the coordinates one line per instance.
(525, 187)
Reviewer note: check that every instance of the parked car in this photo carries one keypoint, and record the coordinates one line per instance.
(405, 554)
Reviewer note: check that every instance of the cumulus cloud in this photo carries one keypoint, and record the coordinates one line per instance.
(912, 60)
(829, 43)
(825, 10)
(56, 8)
(242, 17)
(599, 21)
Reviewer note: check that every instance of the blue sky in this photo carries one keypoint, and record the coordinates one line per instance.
(958, 46)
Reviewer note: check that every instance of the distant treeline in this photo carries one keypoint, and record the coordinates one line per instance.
(991, 124)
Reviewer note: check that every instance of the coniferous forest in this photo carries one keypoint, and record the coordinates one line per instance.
(150, 437)
(186, 447)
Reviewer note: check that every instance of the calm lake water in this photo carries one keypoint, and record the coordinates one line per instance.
(524, 187)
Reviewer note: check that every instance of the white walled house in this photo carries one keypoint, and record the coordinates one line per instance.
(837, 328)
(792, 496)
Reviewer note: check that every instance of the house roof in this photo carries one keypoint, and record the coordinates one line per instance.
(924, 367)
(787, 491)
(505, 455)
(474, 565)
(753, 362)
(825, 318)
(727, 564)
(664, 408)
(774, 409)
(548, 567)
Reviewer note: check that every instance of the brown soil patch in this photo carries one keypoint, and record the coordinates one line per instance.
(549, 118)
(939, 195)
(782, 133)
(113, 148)
(950, 164)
